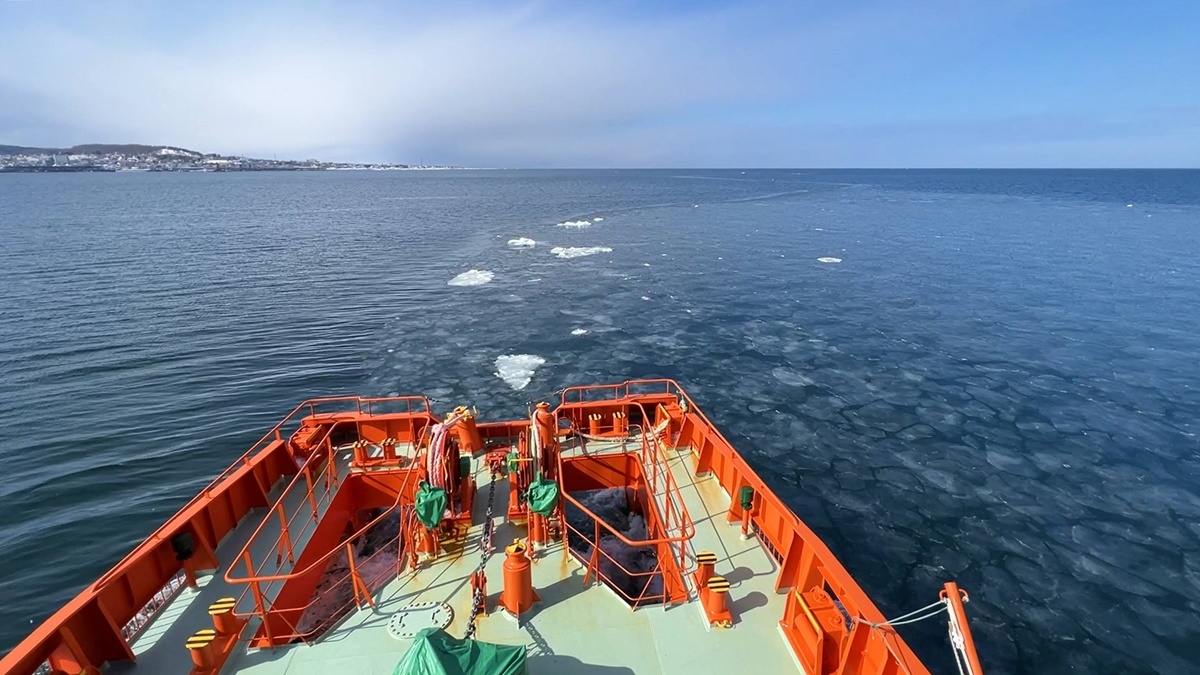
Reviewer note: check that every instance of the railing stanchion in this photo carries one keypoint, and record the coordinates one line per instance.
(312, 497)
(285, 534)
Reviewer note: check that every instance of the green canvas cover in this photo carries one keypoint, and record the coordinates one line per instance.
(542, 496)
(430, 503)
(436, 652)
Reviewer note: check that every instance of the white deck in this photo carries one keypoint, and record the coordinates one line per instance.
(573, 630)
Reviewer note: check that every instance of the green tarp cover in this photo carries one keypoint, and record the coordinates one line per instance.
(430, 504)
(436, 652)
(542, 496)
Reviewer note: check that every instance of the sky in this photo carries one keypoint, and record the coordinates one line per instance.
(799, 83)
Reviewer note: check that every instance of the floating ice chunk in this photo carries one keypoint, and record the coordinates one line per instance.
(645, 297)
(791, 377)
(472, 278)
(577, 224)
(645, 264)
(517, 369)
(522, 242)
(1129, 206)
(568, 252)
(597, 219)
(829, 260)
(817, 229)
(579, 331)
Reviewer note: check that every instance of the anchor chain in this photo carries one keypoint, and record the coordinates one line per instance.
(485, 546)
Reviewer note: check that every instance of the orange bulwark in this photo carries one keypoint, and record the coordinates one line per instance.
(335, 470)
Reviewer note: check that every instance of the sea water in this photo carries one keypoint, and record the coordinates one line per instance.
(995, 382)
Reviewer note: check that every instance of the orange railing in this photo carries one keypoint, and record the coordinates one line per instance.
(255, 578)
(98, 625)
(362, 588)
(672, 516)
(805, 562)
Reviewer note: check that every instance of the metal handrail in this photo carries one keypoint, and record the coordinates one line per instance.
(306, 473)
(687, 528)
(858, 603)
(313, 566)
(274, 434)
(352, 570)
(658, 568)
(657, 475)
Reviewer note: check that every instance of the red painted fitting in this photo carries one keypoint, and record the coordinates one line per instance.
(518, 594)
(705, 560)
(716, 602)
(200, 645)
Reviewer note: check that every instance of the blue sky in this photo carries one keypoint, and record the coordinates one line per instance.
(885, 83)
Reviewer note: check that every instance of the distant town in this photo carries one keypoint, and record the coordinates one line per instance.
(98, 157)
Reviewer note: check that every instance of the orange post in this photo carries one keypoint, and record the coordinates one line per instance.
(715, 598)
(200, 645)
(537, 531)
(518, 594)
(428, 543)
(545, 426)
(620, 424)
(594, 424)
(705, 560)
(222, 615)
(469, 440)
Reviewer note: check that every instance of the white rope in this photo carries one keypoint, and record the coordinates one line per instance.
(958, 643)
(926, 612)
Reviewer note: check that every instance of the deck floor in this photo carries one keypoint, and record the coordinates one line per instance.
(573, 630)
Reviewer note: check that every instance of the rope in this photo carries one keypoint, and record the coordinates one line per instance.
(926, 612)
(958, 643)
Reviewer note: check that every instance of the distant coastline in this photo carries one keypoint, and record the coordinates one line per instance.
(146, 158)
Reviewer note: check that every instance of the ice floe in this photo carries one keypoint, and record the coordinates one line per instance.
(829, 260)
(576, 224)
(472, 278)
(567, 252)
(579, 331)
(522, 242)
(517, 369)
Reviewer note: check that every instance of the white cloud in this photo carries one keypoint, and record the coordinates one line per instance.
(492, 84)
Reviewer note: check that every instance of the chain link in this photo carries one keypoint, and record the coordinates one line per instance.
(485, 546)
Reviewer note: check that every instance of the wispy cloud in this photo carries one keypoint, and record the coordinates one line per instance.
(483, 84)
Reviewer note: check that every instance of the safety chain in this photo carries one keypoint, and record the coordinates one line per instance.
(485, 545)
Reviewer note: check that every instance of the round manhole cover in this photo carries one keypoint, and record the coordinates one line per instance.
(410, 620)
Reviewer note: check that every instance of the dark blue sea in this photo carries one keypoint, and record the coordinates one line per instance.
(998, 383)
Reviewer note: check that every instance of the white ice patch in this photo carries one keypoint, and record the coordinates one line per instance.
(522, 242)
(828, 260)
(645, 297)
(577, 224)
(568, 252)
(597, 219)
(579, 331)
(472, 278)
(791, 377)
(517, 369)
